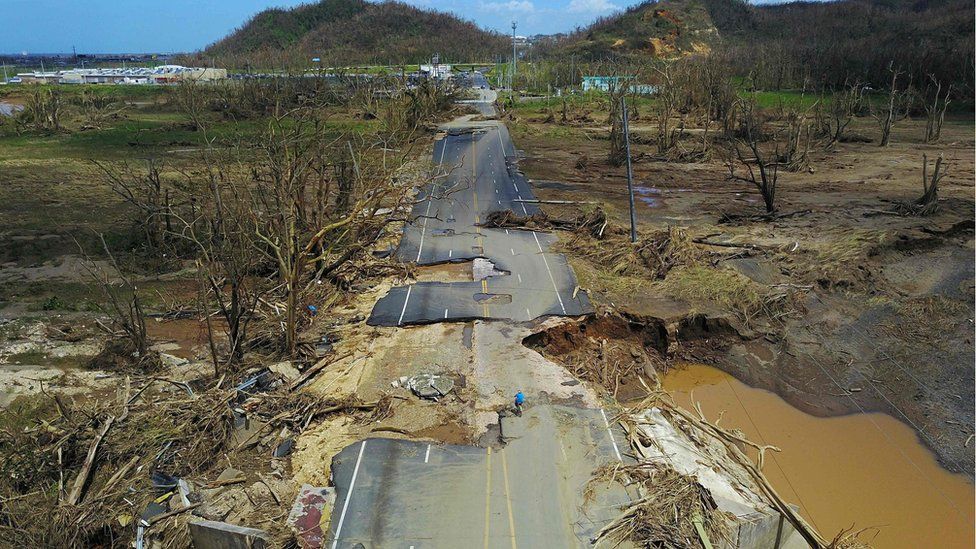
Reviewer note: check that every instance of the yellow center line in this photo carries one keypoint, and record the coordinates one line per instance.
(488, 497)
(508, 500)
(484, 290)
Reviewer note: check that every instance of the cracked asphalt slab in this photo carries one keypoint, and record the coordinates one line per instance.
(526, 485)
(397, 493)
(480, 176)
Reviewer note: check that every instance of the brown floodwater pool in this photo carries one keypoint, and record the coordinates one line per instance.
(862, 470)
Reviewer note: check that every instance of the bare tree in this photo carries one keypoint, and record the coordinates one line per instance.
(669, 134)
(43, 110)
(928, 203)
(748, 150)
(893, 110)
(795, 153)
(834, 116)
(147, 193)
(121, 302)
(935, 110)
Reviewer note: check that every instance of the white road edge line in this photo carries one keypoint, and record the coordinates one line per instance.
(345, 505)
(405, 301)
(610, 432)
(423, 231)
(427, 455)
(445, 313)
(551, 279)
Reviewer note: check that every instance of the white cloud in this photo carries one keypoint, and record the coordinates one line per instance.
(591, 6)
(521, 6)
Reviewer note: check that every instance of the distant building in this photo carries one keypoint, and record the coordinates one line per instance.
(605, 83)
(436, 70)
(164, 74)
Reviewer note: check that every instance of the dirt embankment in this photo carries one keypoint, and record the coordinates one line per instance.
(841, 307)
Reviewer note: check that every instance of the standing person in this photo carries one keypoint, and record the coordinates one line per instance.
(519, 401)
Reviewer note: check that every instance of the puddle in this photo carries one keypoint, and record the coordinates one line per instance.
(493, 298)
(445, 272)
(841, 470)
(648, 195)
(189, 334)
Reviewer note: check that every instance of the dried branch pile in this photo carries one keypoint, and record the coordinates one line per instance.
(652, 257)
(81, 476)
(665, 516)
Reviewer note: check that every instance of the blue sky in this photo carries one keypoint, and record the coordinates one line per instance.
(131, 26)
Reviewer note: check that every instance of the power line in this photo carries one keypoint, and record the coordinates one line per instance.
(880, 430)
(873, 385)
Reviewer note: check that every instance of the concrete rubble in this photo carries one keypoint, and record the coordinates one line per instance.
(207, 534)
(430, 386)
(755, 524)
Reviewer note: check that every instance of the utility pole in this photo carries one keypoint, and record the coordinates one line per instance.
(514, 57)
(630, 171)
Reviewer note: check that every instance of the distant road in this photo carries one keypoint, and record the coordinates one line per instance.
(480, 161)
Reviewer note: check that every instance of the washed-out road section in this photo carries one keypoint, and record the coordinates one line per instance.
(525, 486)
(479, 175)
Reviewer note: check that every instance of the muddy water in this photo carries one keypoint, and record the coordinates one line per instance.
(868, 470)
(190, 335)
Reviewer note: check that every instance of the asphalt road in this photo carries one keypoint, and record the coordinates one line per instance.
(526, 489)
(479, 176)
(396, 493)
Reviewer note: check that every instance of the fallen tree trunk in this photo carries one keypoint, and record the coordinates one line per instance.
(77, 490)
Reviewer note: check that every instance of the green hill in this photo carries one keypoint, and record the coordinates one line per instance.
(800, 40)
(347, 32)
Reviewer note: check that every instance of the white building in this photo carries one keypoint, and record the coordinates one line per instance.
(164, 74)
(441, 72)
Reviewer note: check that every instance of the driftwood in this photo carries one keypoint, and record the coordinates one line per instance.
(158, 518)
(527, 201)
(314, 370)
(77, 490)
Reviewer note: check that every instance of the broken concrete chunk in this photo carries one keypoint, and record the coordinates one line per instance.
(208, 534)
(309, 513)
(285, 370)
(230, 474)
(171, 361)
(431, 386)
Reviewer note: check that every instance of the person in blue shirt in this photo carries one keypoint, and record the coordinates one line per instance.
(519, 401)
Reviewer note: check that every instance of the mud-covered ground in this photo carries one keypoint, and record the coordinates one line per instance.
(878, 309)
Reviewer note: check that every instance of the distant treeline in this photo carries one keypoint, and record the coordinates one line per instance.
(795, 45)
(833, 42)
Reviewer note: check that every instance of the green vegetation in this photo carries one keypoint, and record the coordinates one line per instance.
(345, 32)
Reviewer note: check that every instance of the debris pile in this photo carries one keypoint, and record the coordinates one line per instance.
(154, 459)
(697, 487)
(651, 257)
(673, 510)
(429, 386)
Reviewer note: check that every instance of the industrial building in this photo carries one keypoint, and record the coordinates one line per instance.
(164, 74)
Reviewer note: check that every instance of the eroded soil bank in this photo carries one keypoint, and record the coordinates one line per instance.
(869, 469)
(842, 306)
